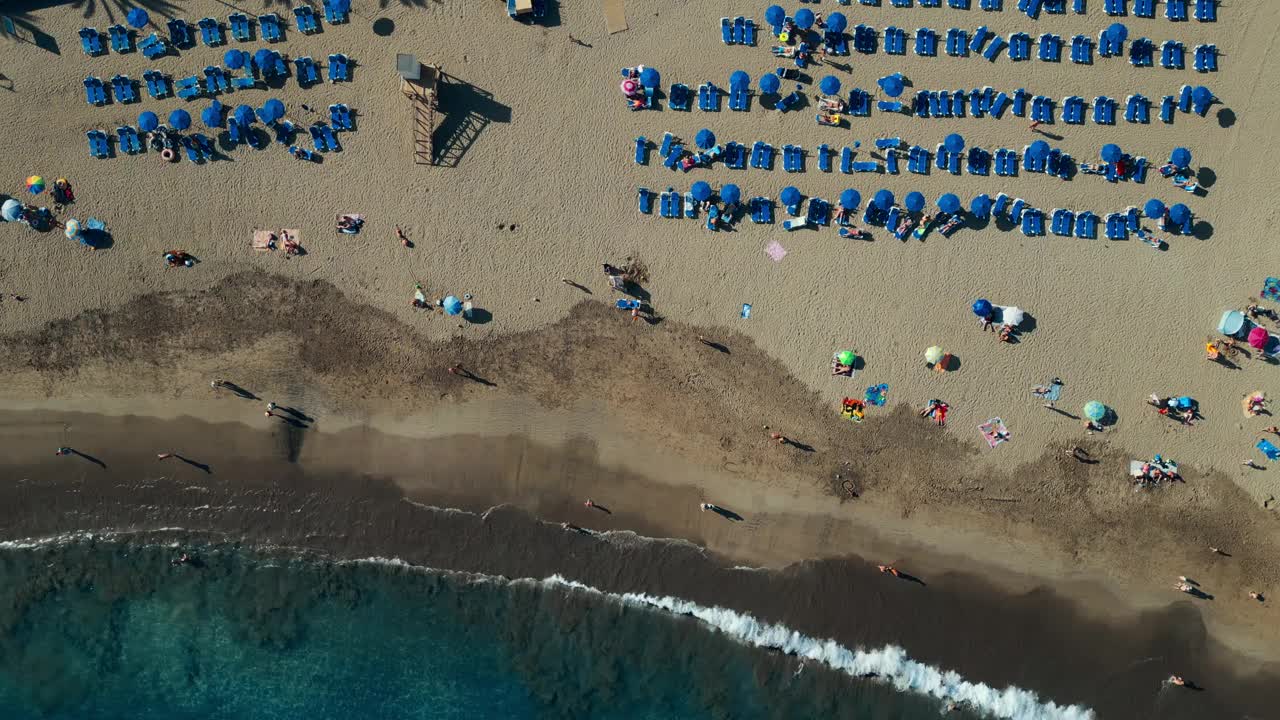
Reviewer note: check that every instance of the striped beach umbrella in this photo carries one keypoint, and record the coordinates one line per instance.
(35, 184)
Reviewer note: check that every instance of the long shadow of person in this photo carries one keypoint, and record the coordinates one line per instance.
(723, 512)
(89, 457)
(195, 464)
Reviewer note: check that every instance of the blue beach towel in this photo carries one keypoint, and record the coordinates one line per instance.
(1271, 289)
(875, 394)
(1271, 451)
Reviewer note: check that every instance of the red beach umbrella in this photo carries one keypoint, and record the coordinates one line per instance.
(1258, 338)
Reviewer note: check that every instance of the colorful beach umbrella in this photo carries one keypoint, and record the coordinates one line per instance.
(883, 199)
(730, 194)
(949, 203)
(452, 305)
(849, 199)
(1154, 209)
(893, 85)
(148, 121)
(953, 143)
(1258, 338)
(739, 79)
(1038, 150)
(649, 77)
(982, 307)
(829, 85)
(234, 59)
(769, 83)
(1111, 152)
(701, 191)
(790, 195)
(212, 116)
(243, 115)
(980, 206)
(11, 210)
(180, 119)
(914, 201)
(137, 17)
(933, 355)
(774, 15)
(630, 87)
(837, 22)
(1095, 410)
(705, 138)
(1180, 157)
(35, 184)
(804, 18)
(73, 229)
(1118, 32)
(1179, 214)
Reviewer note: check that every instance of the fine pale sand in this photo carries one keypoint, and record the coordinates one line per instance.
(542, 187)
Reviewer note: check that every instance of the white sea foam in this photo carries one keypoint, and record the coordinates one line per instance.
(889, 664)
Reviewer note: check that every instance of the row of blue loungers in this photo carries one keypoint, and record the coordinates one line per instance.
(215, 80)
(182, 35)
(1175, 10)
(199, 147)
(1020, 46)
(738, 31)
(1074, 109)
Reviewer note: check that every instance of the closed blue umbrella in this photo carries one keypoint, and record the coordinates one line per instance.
(234, 59)
(829, 85)
(1154, 209)
(701, 191)
(1111, 152)
(243, 115)
(953, 143)
(949, 203)
(837, 22)
(212, 116)
(789, 195)
(1180, 157)
(705, 138)
(274, 110)
(180, 119)
(914, 201)
(769, 83)
(1118, 32)
(980, 206)
(849, 199)
(893, 85)
(1179, 214)
(148, 121)
(739, 79)
(730, 194)
(774, 15)
(649, 77)
(883, 199)
(1038, 150)
(804, 18)
(137, 17)
(982, 307)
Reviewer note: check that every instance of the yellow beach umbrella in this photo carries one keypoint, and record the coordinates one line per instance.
(933, 354)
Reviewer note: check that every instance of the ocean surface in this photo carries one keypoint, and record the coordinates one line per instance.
(111, 628)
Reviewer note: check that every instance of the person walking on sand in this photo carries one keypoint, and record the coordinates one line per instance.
(63, 451)
(164, 456)
(1254, 595)
(1034, 126)
(218, 384)
(1079, 453)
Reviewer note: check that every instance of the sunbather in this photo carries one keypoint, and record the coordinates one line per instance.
(832, 104)
(838, 368)
(1006, 333)
(1186, 181)
(178, 258)
(62, 192)
(951, 224)
(904, 227)
(349, 224)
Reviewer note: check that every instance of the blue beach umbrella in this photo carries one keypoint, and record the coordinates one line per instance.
(730, 194)
(790, 195)
(274, 110)
(262, 58)
(212, 116)
(1111, 152)
(1118, 32)
(980, 206)
(1154, 209)
(953, 143)
(649, 77)
(137, 17)
(180, 119)
(829, 85)
(148, 121)
(1038, 150)
(244, 115)
(770, 83)
(452, 305)
(705, 138)
(804, 18)
(849, 199)
(1201, 99)
(234, 59)
(883, 199)
(1179, 213)
(1180, 157)
(739, 79)
(914, 201)
(774, 15)
(893, 85)
(837, 22)
(949, 203)
(701, 191)
(982, 307)
(1095, 410)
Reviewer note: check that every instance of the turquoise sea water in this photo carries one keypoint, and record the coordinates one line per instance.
(95, 629)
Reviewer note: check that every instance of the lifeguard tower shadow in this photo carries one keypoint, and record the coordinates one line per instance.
(464, 111)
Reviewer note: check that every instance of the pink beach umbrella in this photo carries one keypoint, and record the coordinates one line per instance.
(629, 87)
(1258, 338)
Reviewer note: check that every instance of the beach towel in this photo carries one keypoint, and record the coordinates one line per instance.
(263, 240)
(1054, 392)
(994, 431)
(775, 251)
(1271, 451)
(615, 17)
(1271, 289)
(875, 394)
(852, 410)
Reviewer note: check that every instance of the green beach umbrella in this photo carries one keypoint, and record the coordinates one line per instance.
(846, 357)
(933, 355)
(1095, 410)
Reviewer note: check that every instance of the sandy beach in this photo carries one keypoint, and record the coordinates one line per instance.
(111, 353)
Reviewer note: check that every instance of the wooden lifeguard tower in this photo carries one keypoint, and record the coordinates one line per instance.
(420, 83)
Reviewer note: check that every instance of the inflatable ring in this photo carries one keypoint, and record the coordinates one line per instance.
(168, 154)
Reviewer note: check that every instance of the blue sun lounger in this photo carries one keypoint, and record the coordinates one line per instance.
(272, 27)
(757, 155)
(941, 155)
(305, 18)
(690, 206)
(157, 84)
(978, 162)
(1104, 111)
(865, 166)
(306, 71)
(739, 99)
(188, 88)
(891, 161)
(819, 212)
(1015, 211)
(339, 68)
(895, 41)
(1000, 205)
(1115, 8)
(846, 160)
(340, 116)
(926, 42)
(678, 97)
(1061, 222)
(865, 40)
(95, 92)
(1207, 10)
(1050, 48)
(1137, 110)
(211, 32)
(1132, 219)
(993, 50)
(1173, 55)
(180, 35)
(668, 204)
(1144, 8)
(153, 47)
(749, 32)
(1073, 110)
(335, 13)
(918, 160)
(122, 88)
(642, 148)
(91, 42)
(128, 139)
(121, 39)
(979, 39)
(1086, 225)
(1019, 47)
(957, 42)
(1206, 58)
(99, 146)
(740, 30)
(1033, 222)
(240, 27)
(1141, 53)
(708, 97)
(676, 151)
(668, 140)
(1081, 50)
(330, 139)
(216, 80)
(645, 200)
(1116, 227)
(761, 210)
(1175, 10)
(726, 31)
(824, 154)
